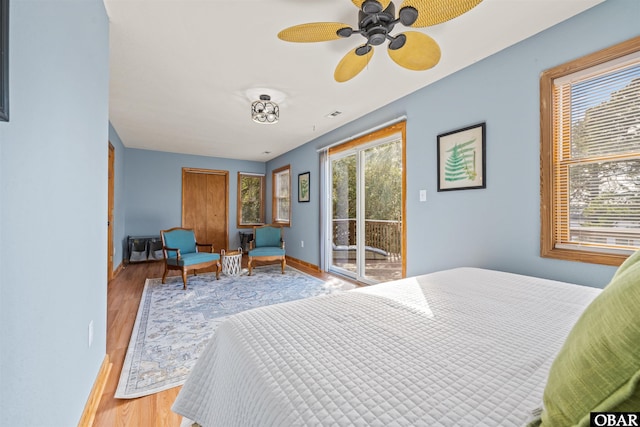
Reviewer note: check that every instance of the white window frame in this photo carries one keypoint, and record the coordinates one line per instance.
(278, 175)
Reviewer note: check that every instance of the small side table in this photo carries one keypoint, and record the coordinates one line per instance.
(231, 262)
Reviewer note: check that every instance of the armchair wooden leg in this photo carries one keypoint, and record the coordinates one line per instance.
(184, 278)
(249, 265)
(218, 267)
(164, 275)
(284, 263)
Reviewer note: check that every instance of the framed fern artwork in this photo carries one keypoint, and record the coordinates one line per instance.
(461, 159)
(303, 187)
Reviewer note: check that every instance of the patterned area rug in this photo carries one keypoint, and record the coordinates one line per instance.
(173, 325)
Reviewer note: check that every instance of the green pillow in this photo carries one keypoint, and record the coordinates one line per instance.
(631, 260)
(598, 366)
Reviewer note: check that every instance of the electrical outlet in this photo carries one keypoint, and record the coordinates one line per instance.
(302, 243)
(90, 333)
(423, 195)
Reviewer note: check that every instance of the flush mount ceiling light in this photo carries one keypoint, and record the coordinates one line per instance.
(265, 111)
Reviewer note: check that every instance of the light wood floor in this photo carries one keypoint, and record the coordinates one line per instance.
(123, 298)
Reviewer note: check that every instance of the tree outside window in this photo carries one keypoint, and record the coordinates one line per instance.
(590, 157)
(250, 199)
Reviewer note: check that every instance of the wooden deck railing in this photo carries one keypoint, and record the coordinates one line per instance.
(384, 235)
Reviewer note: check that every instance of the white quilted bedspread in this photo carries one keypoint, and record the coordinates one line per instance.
(462, 347)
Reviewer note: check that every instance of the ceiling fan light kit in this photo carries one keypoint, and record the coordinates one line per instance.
(376, 19)
(265, 111)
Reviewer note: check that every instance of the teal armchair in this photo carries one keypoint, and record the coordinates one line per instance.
(267, 245)
(180, 251)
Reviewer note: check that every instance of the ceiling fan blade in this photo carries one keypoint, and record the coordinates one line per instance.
(433, 12)
(419, 52)
(313, 32)
(352, 64)
(382, 4)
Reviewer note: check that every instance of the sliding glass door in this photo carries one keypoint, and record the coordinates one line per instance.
(367, 209)
(382, 204)
(344, 217)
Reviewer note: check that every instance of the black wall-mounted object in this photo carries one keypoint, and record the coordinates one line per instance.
(4, 60)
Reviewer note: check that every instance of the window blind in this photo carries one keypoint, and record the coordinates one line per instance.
(282, 196)
(596, 171)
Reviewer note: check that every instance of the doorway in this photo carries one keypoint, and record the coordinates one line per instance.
(367, 207)
(110, 203)
(205, 205)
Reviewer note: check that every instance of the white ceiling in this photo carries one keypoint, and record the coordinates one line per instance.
(184, 72)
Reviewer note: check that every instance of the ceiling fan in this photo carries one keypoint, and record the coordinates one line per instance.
(376, 19)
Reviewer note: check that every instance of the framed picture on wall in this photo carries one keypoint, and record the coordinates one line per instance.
(303, 187)
(4, 60)
(461, 159)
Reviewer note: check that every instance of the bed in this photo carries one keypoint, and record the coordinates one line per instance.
(461, 347)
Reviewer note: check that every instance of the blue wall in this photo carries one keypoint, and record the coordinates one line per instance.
(497, 227)
(153, 189)
(53, 192)
(53, 210)
(305, 216)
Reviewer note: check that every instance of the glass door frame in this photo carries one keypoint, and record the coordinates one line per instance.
(357, 147)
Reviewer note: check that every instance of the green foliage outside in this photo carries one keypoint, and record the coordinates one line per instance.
(383, 184)
(604, 211)
(251, 199)
(382, 197)
(606, 193)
